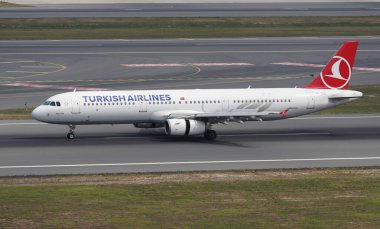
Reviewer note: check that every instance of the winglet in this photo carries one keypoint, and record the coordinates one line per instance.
(337, 73)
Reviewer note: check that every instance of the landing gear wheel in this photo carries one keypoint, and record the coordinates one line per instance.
(70, 136)
(210, 134)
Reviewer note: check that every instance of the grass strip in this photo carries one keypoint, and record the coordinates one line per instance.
(369, 104)
(16, 114)
(127, 28)
(4, 4)
(304, 199)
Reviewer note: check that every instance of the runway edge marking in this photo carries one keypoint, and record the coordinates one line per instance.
(190, 162)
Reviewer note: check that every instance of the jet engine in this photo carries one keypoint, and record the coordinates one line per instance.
(184, 127)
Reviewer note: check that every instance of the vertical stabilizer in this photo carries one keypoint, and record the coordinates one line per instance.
(337, 73)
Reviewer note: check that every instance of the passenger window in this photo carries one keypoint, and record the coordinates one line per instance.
(52, 104)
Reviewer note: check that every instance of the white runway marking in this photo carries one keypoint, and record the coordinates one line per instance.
(232, 135)
(321, 65)
(22, 123)
(285, 134)
(191, 162)
(337, 117)
(183, 65)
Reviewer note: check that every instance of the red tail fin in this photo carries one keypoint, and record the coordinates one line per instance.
(337, 73)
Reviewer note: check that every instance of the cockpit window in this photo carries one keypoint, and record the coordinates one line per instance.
(58, 104)
(46, 103)
(52, 104)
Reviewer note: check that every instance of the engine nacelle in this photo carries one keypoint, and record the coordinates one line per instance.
(184, 127)
(148, 125)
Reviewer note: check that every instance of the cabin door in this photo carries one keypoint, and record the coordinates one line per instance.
(75, 105)
(225, 103)
(310, 102)
(143, 106)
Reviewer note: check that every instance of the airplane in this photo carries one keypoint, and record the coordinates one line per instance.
(194, 111)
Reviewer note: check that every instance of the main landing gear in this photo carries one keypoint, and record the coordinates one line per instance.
(210, 134)
(71, 134)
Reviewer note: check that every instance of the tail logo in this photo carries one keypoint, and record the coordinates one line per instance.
(337, 73)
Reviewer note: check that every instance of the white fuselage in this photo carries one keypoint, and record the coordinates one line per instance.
(154, 106)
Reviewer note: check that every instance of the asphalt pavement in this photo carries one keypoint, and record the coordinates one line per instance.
(31, 148)
(32, 71)
(370, 8)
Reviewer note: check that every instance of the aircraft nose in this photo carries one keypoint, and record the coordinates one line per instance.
(37, 114)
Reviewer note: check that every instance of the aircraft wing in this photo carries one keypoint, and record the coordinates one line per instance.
(234, 115)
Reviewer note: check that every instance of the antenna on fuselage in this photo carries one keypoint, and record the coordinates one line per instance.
(75, 89)
(249, 86)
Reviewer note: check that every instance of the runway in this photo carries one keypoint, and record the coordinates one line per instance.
(32, 71)
(194, 10)
(31, 148)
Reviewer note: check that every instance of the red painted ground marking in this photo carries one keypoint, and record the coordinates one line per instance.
(151, 65)
(321, 65)
(54, 87)
(183, 65)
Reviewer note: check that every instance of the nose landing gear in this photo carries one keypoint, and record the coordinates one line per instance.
(71, 134)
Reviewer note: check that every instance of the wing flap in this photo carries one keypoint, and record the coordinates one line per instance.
(234, 114)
